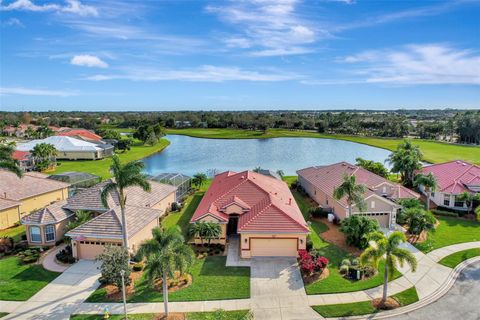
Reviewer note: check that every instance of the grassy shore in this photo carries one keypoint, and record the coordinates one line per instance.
(433, 151)
(101, 167)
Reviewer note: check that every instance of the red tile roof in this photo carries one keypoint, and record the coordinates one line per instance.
(87, 134)
(455, 176)
(267, 202)
(327, 178)
(20, 155)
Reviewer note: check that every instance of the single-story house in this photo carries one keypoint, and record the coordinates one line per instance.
(453, 178)
(32, 192)
(143, 212)
(82, 133)
(71, 148)
(258, 208)
(381, 195)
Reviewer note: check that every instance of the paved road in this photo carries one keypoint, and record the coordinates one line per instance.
(460, 302)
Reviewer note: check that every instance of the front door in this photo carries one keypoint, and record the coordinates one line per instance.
(232, 225)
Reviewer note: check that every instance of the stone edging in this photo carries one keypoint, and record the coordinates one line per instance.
(441, 291)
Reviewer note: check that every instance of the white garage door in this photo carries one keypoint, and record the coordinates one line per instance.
(271, 247)
(382, 218)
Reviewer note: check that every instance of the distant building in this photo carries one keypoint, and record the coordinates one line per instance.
(25, 160)
(71, 148)
(84, 134)
(182, 124)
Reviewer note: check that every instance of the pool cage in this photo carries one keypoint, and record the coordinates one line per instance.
(181, 181)
(77, 180)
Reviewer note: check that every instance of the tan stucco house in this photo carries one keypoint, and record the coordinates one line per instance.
(143, 210)
(257, 208)
(21, 196)
(380, 198)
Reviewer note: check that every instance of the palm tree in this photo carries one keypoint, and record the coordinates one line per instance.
(406, 159)
(196, 230)
(212, 231)
(165, 254)
(419, 220)
(281, 173)
(43, 154)
(353, 191)
(469, 198)
(387, 249)
(125, 175)
(429, 182)
(6, 160)
(199, 179)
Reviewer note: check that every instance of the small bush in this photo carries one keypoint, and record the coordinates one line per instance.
(30, 259)
(309, 243)
(318, 212)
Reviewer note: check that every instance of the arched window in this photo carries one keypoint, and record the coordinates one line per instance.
(49, 233)
(35, 235)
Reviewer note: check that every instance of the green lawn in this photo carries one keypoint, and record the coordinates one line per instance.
(231, 315)
(335, 283)
(14, 232)
(451, 231)
(211, 281)
(101, 167)
(433, 151)
(405, 298)
(458, 257)
(20, 282)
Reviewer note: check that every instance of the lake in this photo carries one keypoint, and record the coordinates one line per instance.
(189, 155)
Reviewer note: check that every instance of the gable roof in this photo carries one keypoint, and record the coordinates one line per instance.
(268, 203)
(87, 134)
(51, 214)
(455, 176)
(90, 199)
(61, 144)
(327, 178)
(108, 225)
(30, 185)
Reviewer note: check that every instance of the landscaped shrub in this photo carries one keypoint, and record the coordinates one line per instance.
(353, 270)
(65, 255)
(318, 212)
(444, 213)
(29, 255)
(6, 245)
(419, 220)
(114, 259)
(356, 228)
(30, 259)
(311, 262)
(137, 266)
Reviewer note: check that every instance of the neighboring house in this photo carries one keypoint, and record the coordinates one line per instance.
(259, 208)
(453, 178)
(143, 210)
(270, 173)
(9, 213)
(381, 194)
(84, 134)
(20, 131)
(71, 148)
(32, 192)
(25, 160)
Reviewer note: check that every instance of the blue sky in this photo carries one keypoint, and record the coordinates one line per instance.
(234, 55)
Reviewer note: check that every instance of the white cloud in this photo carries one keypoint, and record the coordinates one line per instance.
(267, 27)
(206, 73)
(418, 64)
(35, 92)
(87, 60)
(70, 6)
(13, 22)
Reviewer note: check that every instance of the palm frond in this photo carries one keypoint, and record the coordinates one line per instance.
(107, 189)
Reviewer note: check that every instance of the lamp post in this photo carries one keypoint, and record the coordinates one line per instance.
(122, 273)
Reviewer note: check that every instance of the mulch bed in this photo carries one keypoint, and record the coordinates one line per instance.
(307, 279)
(113, 293)
(335, 236)
(388, 305)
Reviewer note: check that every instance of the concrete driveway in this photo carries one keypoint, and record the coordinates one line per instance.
(277, 290)
(62, 296)
(460, 302)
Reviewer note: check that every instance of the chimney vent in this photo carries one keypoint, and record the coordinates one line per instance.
(290, 201)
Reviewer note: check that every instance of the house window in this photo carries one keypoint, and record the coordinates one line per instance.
(384, 190)
(458, 203)
(446, 200)
(49, 233)
(35, 235)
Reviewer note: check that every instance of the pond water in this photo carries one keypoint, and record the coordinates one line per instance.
(189, 155)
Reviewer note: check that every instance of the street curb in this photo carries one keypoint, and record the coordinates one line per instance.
(437, 294)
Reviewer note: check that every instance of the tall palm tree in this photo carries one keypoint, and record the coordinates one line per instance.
(199, 179)
(281, 173)
(6, 160)
(125, 175)
(387, 249)
(353, 191)
(406, 159)
(165, 254)
(429, 182)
